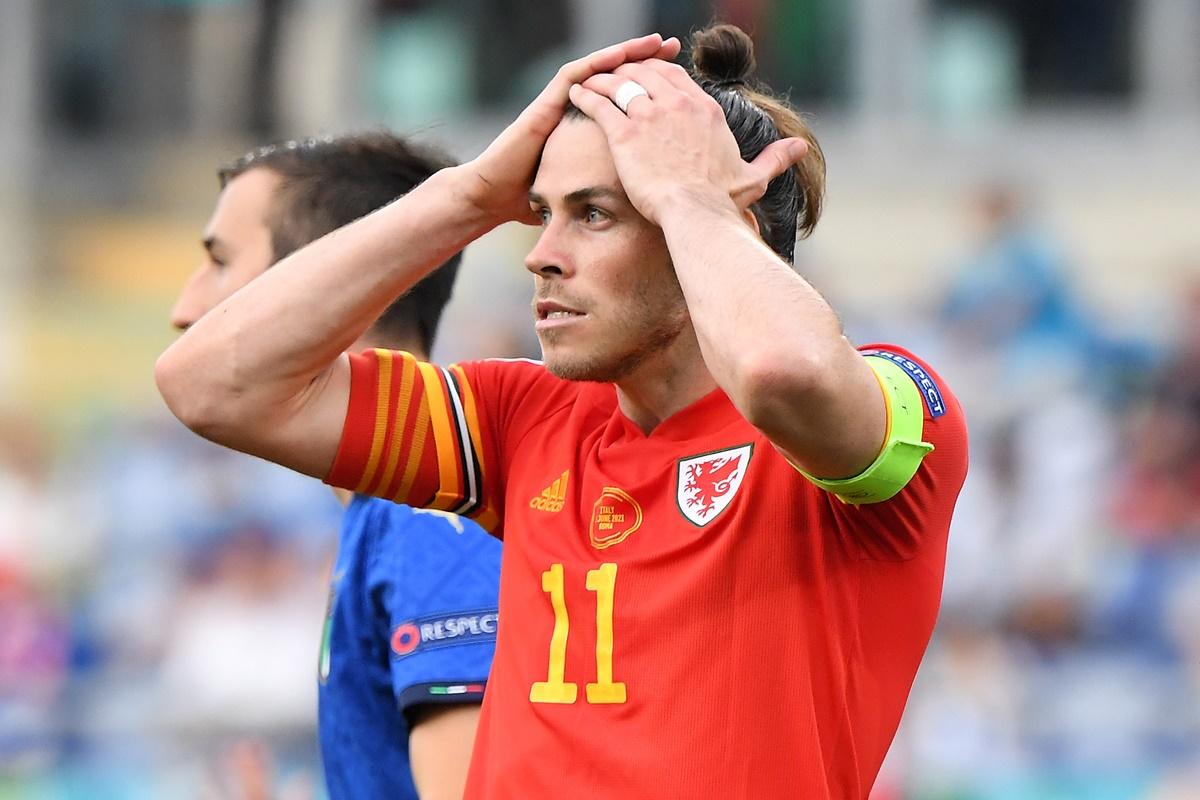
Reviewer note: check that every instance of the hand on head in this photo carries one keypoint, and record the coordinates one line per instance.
(503, 172)
(674, 137)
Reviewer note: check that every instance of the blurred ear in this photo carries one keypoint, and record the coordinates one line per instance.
(751, 220)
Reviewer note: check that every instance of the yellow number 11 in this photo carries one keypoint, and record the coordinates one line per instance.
(554, 689)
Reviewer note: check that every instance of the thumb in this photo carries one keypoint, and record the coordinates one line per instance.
(774, 160)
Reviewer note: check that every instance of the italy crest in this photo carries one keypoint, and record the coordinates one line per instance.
(707, 483)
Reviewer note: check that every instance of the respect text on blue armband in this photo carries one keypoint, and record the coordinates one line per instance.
(929, 389)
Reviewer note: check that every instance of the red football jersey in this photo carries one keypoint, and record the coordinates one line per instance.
(682, 613)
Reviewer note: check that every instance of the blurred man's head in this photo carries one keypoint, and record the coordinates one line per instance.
(276, 199)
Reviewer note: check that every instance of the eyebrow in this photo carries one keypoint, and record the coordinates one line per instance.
(583, 195)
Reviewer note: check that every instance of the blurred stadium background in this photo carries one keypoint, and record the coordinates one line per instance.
(1014, 192)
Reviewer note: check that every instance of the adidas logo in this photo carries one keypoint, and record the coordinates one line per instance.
(552, 497)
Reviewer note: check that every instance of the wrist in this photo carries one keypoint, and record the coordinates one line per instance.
(690, 202)
(488, 200)
(473, 197)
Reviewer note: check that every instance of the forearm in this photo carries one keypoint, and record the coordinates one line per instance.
(440, 748)
(751, 311)
(771, 341)
(261, 349)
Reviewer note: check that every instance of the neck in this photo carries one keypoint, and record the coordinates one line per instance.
(665, 384)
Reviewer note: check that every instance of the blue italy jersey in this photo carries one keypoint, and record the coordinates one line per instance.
(412, 621)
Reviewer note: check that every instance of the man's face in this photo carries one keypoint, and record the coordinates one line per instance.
(606, 297)
(237, 242)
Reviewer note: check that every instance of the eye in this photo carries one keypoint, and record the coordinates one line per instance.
(595, 216)
(542, 213)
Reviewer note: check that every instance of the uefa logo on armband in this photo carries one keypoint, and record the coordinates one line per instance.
(444, 630)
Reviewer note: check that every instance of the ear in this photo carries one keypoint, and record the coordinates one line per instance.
(751, 220)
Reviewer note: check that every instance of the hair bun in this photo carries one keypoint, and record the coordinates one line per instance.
(723, 54)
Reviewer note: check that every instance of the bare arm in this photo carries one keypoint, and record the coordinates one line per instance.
(264, 371)
(773, 343)
(439, 750)
(768, 338)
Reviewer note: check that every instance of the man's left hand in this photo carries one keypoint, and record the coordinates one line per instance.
(675, 139)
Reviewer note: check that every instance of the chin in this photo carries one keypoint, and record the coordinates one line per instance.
(575, 367)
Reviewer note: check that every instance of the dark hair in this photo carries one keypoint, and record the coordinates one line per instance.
(723, 65)
(330, 182)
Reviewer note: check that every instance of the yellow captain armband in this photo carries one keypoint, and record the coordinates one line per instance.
(902, 450)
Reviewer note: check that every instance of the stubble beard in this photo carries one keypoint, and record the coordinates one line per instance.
(611, 367)
(657, 315)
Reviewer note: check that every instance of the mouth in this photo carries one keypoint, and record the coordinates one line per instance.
(550, 314)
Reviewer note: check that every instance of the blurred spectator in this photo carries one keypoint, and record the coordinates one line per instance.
(166, 623)
(34, 650)
(1160, 487)
(1153, 597)
(249, 612)
(1012, 296)
(963, 723)
(1023, 548)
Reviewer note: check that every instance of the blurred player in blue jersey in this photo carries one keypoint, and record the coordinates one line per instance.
(411, 626)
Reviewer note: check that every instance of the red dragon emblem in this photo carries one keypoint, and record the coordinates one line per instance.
(707, 483)
(710, 480)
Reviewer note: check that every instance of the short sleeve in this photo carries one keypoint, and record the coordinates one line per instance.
(430, 436)
(900, 526)
(435, 578)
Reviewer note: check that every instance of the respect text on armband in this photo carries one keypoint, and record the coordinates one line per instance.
(433, 632)
(929, 389)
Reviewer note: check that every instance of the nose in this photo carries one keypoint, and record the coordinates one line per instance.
(548, 256)
(191, 303)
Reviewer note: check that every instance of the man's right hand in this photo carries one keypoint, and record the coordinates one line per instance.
(497, 181)
(265, 372)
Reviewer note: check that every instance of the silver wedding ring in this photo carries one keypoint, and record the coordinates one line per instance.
(626, 92)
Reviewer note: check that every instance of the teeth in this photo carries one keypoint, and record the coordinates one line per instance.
(561, 314)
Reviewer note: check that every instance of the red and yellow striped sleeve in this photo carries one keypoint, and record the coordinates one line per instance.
(413, 435)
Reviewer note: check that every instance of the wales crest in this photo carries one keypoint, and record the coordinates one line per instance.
(707, 483)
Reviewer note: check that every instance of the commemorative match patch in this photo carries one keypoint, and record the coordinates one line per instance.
(706, 484)
(444, 630)
(615, 516)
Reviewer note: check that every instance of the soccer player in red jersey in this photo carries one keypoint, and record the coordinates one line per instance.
(724, 525)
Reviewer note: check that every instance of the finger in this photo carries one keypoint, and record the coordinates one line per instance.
(670, 49)
(610, 85)
(524, 138)
(606, 60)
(774, 160)
(606, 83)
(600, 109)
(674, 74)
(554, 95)
(544, 112)
(648, 79)
(610, 58)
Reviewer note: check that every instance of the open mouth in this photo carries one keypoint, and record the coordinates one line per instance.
(549, 313)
